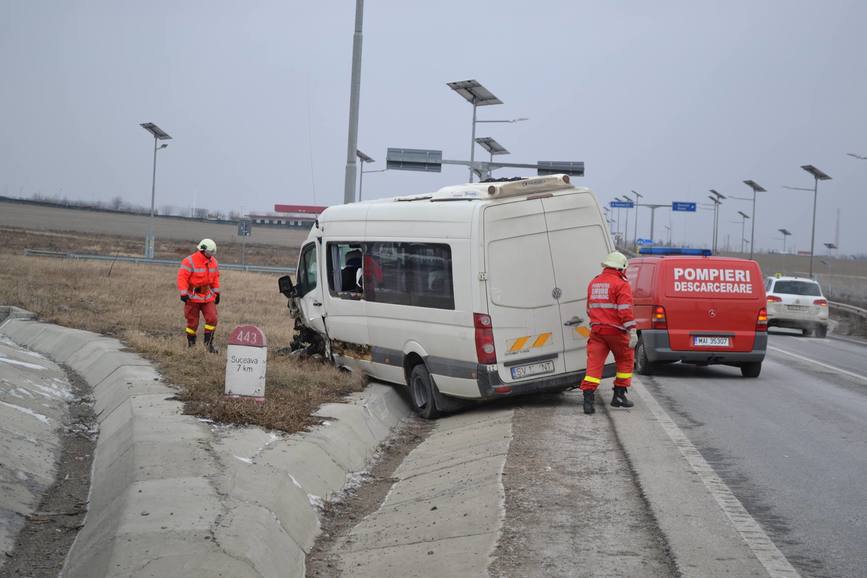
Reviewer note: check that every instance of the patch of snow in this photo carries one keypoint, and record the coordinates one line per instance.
(245, 460)
(27, 411)
(21, 363)
(294, 481)
(315, 501)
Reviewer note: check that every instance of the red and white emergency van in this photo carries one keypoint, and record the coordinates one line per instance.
(695, 308)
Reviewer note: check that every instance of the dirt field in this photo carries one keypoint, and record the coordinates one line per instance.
(139, 304)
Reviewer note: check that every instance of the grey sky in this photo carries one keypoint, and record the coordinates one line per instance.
(668, 98)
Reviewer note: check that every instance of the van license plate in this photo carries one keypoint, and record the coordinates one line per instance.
(532, 369)
(712, 341)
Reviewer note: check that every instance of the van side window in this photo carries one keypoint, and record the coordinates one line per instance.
(415, 274)
(306, 274)
(343, 263)
(644, 286)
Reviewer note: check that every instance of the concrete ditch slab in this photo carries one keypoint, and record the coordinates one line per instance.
(172, 495)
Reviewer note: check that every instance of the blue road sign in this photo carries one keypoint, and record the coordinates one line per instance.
(688, 207)
(643, 242)
(621, 205)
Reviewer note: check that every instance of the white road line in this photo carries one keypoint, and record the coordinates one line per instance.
(763, 548)
(813, 361)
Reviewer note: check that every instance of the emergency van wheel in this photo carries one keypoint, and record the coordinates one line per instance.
(421, 392)
(820, 331)
(752, 369)
(643, 366)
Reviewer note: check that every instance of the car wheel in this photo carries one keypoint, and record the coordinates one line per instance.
(806, 331)
(821, 331)
(421, 392)
(643, 366)
(752, 369)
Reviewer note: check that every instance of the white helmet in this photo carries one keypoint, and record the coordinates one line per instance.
(615, 260)
(208, 245)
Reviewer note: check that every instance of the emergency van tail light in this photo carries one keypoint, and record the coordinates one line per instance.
(821, 302)
(658, 320)
(762, 320)
(485, 350)
(774, 299)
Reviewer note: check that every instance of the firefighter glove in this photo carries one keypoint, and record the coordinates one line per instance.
(217, 300)
(184, 298)
(633, 338)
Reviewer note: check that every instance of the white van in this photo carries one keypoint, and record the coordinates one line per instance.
(473, 292)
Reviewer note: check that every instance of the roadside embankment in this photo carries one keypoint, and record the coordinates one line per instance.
(174, 495)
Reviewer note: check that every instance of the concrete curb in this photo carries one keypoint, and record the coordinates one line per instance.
(172, 495)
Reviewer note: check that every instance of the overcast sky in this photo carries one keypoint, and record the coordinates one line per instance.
(670, 98)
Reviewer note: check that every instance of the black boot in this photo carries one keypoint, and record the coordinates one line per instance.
(209, 342)
(619, 399)
(191, 340)
(589, 401)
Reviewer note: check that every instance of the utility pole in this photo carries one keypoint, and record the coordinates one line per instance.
(354, 98)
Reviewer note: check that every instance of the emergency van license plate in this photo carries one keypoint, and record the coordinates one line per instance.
(712, 341)
(532, 369)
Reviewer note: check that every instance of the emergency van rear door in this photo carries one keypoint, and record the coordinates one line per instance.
(578, 245)
(520, 291)
(712, 303)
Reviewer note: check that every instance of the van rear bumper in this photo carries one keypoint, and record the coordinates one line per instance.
(488, 381)
(658, 348)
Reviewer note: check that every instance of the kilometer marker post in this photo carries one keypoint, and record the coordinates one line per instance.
(246, 358)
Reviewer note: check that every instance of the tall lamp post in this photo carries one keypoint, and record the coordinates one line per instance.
(785, 233)
(744, 218)
(717, 201)
(364, 159)
(354, 98)
(817, 176)
(757, 188)
(493, 147)
(635, 226)
(159, 134)
(477, 95)
(653, 208)
(626, 199)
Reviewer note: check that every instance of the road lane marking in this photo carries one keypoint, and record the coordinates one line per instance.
(751, 532)
(825, 365)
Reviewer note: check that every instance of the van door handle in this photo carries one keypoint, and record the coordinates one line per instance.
(317, 304)
(574, 321)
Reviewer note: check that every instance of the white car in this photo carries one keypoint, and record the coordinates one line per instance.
(797, 303)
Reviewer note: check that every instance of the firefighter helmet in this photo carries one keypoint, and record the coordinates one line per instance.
(615, 260)
(208, 245)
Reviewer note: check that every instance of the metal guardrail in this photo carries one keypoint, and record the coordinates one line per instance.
(849, 308)
(144, 261)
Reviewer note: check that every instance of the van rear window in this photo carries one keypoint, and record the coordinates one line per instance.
(797, 288)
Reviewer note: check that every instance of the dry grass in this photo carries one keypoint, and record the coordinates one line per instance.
(139, 305)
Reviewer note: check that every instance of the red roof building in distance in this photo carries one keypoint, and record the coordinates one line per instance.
(311, 209)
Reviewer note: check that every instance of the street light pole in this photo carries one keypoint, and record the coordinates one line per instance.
(158, 134)
(757, 188)
(785, 233)
(364, 159)
(716, 203)
(817, 176)
(354, 98)
(635, 234)
(477, 95)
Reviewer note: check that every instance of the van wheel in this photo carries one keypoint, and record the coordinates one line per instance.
(821, 331)
(806, 331)
(421, 392)
(643, 366)
(752, 369)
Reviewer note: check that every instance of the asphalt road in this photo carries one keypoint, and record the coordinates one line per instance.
(791, 445)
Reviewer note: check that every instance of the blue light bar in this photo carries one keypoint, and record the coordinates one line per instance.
(660, 251)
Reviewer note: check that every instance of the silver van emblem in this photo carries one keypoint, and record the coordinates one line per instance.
(556, 293)
(711, 313)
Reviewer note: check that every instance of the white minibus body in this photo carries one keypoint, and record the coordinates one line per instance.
(474, 292)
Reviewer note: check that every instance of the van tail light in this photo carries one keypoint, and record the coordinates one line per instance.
(658, 320)
(774, 299)
(485, 350)
(762, 320)
(821, 302)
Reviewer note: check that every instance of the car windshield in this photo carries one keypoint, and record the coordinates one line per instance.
(797, 288)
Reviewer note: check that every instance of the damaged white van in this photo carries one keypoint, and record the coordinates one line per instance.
(473, 292)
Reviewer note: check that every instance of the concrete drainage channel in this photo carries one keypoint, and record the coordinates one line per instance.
(172, 495)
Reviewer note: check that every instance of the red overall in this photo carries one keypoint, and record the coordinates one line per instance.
(609, 307)
(199, 279)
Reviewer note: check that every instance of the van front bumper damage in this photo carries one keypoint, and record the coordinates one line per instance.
(490, 382)
(658, 348)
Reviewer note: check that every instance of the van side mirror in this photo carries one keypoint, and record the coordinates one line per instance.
(284, 283)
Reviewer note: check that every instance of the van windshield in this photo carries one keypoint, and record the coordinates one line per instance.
(797, 288)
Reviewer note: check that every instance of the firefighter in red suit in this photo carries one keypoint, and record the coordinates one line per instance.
(612, 328)
(199, 286)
